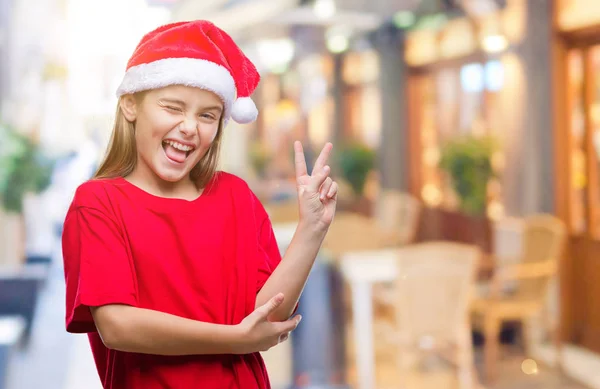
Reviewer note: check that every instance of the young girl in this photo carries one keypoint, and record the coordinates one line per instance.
(172, 268)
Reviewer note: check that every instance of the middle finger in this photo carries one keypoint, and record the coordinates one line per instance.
(323, 157)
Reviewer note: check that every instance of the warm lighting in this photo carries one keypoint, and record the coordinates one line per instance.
(431, 195)
(286, 115)
(498, 161)
(596, 141)
(431, 156)
(324, 9)
(529, 367)
(495, 43)
(495, 210)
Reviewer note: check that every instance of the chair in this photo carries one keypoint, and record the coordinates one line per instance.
(283, 211)
(397, 214)
(353, 232)
(544, 237)
(432, 295)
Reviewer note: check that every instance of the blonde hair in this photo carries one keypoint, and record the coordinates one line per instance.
(121, 156)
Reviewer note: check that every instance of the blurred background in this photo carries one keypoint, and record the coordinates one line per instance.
(465, 251)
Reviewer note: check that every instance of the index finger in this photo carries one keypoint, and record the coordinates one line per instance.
(300, 162)
(323, 157)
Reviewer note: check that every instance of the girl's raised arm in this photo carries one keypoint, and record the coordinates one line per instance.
(317, 197)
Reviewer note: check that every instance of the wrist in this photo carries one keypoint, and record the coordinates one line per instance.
(314, 230)
(311, 230)
(238, 339)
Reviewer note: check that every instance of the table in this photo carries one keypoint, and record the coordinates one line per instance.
(356, 243)
(361, 270)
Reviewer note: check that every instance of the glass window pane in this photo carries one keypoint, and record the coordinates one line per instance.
(594, 147)
(494, 76)
(578, 155)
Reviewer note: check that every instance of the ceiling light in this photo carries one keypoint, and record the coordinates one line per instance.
(338, 44)
(494, 43)
(324, 9)
(276, 54)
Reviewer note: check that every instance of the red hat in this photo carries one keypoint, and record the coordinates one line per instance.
(198, 54)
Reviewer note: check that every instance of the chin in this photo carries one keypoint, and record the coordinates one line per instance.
(171, 176)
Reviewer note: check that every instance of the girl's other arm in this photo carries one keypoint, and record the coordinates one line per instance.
(138, 330)
(291, 274)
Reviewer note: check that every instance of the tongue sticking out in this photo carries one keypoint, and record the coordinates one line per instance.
(174, 154)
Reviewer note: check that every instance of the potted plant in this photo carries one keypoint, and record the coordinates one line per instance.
(468, 162)
(24, 169)
(355, 162)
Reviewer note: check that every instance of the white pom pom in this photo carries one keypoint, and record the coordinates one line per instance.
(244, 110)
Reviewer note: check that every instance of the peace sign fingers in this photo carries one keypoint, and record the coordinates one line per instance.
(300, 161)
(317, 192)
(323, 157)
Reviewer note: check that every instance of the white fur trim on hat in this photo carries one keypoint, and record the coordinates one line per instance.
(198, 73)
(244, 110)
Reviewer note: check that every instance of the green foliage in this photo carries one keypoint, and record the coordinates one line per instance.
(468, 162)
(23, 168)
(355, 162)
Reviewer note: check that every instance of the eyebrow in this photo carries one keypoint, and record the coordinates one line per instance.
(173, 101)
(182, 103)
(214, 108)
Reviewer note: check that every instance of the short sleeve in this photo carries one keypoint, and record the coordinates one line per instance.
(98, 266)
(269, 254)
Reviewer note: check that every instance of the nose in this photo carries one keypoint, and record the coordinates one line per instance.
(188, 127)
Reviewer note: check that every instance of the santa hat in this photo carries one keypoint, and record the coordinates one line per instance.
(198, 54)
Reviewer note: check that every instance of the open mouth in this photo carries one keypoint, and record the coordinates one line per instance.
(175, 151)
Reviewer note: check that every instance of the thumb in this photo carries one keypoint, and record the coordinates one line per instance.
(271, 305)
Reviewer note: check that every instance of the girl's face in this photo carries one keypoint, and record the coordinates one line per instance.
(174, 128)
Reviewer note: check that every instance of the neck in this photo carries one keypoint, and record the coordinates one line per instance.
(151, 183)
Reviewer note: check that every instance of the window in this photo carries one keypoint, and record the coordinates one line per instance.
(584, 145)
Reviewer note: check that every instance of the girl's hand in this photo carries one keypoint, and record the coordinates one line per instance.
(257, 333)
(317, 193)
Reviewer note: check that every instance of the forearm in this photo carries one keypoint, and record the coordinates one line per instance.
(290, 276)
(145, 331)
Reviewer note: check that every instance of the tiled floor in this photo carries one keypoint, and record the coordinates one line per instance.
(441, 375)
(57, 360)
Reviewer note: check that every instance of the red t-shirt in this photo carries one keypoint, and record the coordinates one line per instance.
(204, 260)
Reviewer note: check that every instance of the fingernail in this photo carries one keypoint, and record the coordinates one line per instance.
(299, 319)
